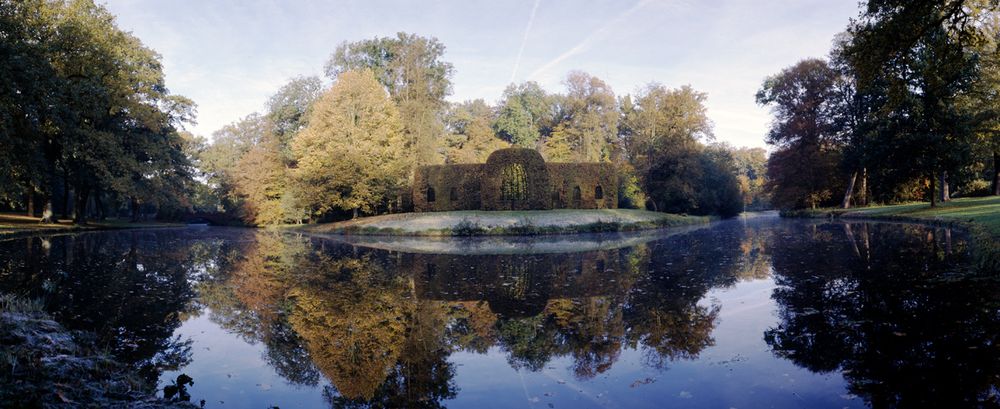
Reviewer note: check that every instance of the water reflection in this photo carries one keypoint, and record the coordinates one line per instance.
(890, 307)
(376, 324)
(381, 324)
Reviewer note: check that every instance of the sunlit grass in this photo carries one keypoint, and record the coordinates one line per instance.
(982, 211)
(11, 223)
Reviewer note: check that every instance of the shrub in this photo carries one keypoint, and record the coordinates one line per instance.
(467, 227)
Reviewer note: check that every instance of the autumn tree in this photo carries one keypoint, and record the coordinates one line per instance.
(353, 155)
(411, 70)
(470, 133)
(586, 127)
(751, 174)
(662, 132)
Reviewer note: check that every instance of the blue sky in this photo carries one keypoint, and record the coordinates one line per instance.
(230, 55)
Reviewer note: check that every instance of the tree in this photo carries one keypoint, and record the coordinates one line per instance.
(586, 127)
(411, 70)
(471, 138)
(924, 54)
(804, 100)
(87, 102)
(353, 154)
(662, 132)
(219, 161)
(523, 110)
(751, 174)
(661, 119)
(288, 110)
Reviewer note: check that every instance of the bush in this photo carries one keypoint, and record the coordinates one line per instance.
(975, 188)
(467, 227)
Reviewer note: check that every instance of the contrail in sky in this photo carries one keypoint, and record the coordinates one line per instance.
(582, 45)
(524, 40)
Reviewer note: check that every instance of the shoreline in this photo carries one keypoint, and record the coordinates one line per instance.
(505, 223)
(15, 226)
(980, 217)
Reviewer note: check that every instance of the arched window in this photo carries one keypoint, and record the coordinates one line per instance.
(598, 193)
(513, 182)
(430, 195)
(577, 195)
(453, 196)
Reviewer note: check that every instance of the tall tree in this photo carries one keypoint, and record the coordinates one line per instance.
(803, 99)
(921, 52)
(662, 130)
(471, 138)
(411, 70)
(90, 103)
(523, 110)
(587, 122)
(288, 110)
(353, 154)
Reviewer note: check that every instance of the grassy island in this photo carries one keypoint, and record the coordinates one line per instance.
(527, 222)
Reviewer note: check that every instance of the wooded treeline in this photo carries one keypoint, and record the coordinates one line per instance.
(905, 108)
(90, 130)
(319, 154)
(87, 125)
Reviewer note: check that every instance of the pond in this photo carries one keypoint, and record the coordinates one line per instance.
(757, 312)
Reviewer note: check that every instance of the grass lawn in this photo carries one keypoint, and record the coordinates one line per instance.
(529, 222)
(981, 212)
(14, 224)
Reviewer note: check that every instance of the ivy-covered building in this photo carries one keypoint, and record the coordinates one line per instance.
(515, 179)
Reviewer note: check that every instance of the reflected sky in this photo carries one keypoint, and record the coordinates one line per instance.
(759, 312)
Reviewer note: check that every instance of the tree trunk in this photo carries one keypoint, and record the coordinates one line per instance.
(850, 191)
(863, 191)
(31, 200)
(82, 196)
(135, 209)
(996, 173)
(98, 206)
(66, 195)
(945, 195)
(933, 190)
(355, 215)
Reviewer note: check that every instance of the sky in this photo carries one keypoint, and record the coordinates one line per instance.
(229, 56)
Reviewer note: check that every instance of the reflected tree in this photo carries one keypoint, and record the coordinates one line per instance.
(891, 309)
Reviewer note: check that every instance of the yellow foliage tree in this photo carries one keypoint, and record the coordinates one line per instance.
(353, 155)
(260, 179)
(355, 328)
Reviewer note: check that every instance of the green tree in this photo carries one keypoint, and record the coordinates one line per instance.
(662, 132)
(353, 155)
(288, 110)
(925, 55)
(803, 97)
(524, 108)
(108, 123)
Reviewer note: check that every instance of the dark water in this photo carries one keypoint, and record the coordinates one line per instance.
(748, 313)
